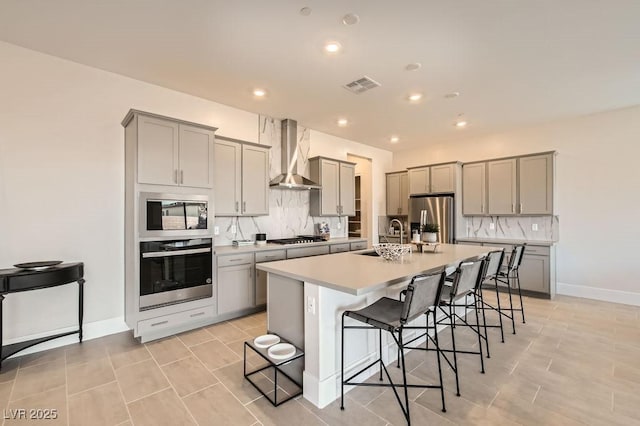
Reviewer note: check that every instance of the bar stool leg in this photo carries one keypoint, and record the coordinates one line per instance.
(520, 294)
(495, 281)
(513, 322)
(484, 323)
(479, 337)
(380, 348)
(342, 367)
(455, 357)
(404, 380)
(444, 409)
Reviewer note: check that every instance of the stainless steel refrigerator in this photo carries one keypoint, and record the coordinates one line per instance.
(433, 209)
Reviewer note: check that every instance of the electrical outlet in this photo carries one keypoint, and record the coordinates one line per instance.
(216, 230)
(234, 229)
(534, 226)
(311, 305)
(492, 225)
(339, 224)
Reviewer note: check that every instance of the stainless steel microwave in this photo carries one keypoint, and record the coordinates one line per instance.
(173, 215)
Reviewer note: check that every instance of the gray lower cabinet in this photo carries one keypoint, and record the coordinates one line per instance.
(294, 253)
(235, 282)
(339, 248)
(537, 270)
(261, 276)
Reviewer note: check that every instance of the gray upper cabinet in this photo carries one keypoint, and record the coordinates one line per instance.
(172, 153)
(255, 180)
(419, 181)
(474, 194)
(398, 194)
(443, 178)
(510, 186)
(535, 177)
(337, 196)
(501, 179)
(242, 178)
(437, 178)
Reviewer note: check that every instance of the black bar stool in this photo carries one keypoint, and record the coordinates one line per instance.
(423, 294)
(493, 264)
(510, 274)
(466, 281)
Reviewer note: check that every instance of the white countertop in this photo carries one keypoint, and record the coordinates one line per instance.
(270, 246)
(357, 274)
(507, 241)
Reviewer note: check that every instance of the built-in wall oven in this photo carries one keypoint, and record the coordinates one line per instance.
(175, 271)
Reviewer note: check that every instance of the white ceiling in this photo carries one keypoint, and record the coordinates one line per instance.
(515, 62)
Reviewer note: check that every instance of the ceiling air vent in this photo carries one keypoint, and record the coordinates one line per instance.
(361, 85)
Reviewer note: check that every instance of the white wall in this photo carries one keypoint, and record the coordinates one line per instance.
(598, 193)
(62, 176)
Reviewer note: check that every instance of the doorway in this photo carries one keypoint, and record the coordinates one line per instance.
(361, 225)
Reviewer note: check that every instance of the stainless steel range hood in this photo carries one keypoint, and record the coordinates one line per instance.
(289, 178)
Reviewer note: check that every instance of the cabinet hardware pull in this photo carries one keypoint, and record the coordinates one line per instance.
(236, 206)
(481, 208)
(175, 176)
(520, 207)
(244, 206)
(160, 323)
(181, 176)
(234, 260)
(513, 208)
(197, 315)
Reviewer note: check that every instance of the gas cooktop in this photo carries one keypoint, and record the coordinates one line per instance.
(300, 239)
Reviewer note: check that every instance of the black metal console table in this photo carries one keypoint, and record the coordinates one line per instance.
(17, 280)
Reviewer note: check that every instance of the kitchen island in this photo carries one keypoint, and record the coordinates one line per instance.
(306, 298)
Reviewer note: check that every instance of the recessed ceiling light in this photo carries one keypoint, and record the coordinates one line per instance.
(332, 47)
(415, 97)
(259, 92)
(414, 66)
(452, 95)
(461, 123)
(350, 19)
(305, 11)
(342, 122)
(394, 139)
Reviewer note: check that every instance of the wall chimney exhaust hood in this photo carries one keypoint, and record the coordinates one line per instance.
(289, 178)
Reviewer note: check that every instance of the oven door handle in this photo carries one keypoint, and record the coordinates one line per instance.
(175, 253)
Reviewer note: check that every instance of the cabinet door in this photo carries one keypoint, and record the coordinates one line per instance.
(419, 181)
(330, 181)
(235, 288)
(347, 189)
(535, 178)
(404, 194)
(255, 180)
(534, 273)
(502, 186)
(474, 194)
(196, 157)
(443, 178)
(227, 172)
(393, 194)
(157, 151)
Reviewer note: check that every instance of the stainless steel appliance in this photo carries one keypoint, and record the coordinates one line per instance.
(175, 271)
(300, 239)
(289, 178)
(170, 215)
(438, 209)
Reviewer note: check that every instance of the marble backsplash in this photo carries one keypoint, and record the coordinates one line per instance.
(508, 227)
(288, 209)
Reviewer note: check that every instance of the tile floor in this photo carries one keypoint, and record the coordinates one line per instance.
(575, 361)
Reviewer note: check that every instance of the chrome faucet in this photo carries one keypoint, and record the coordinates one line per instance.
(401, 231)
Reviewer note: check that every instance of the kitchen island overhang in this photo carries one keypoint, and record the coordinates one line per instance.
(307, 296)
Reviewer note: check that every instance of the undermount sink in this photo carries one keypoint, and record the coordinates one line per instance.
(369, 253)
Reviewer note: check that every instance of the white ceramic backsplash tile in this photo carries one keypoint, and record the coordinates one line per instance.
(508, 227)
(288, 209)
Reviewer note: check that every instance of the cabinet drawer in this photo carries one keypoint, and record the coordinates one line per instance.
(470, 243)
(175, 320)
(269, 256)
(359, 246)
(539, 250)
(307, 251)
(339, 248)
(235, 259)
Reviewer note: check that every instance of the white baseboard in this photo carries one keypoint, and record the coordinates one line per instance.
(91, 330)
(604, 294)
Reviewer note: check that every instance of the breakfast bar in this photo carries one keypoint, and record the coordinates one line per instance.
(307, 296)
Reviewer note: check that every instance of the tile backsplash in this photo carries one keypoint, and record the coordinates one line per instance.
(513, 227)
(288, 209)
